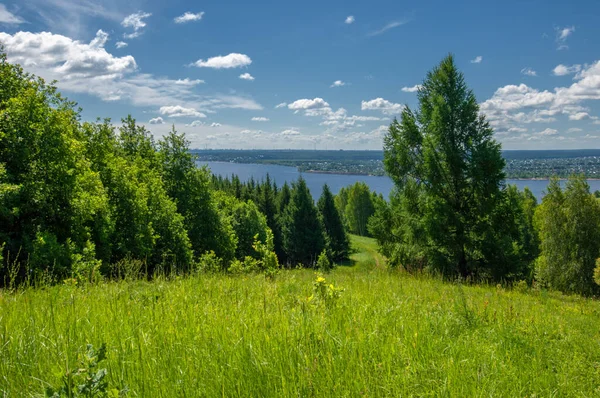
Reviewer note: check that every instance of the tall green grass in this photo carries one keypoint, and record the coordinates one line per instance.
(389, 334)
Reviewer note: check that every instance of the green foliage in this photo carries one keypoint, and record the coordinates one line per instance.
(85, 265)
(210, 263)
(246, 222)
(303, 238)
(448, 171)
(597, 272)
(268, 263)
(189, 187)
(323, 262)
(87, 381)
(337, 237)
(326, 293)
(568, 222)
(359, 208)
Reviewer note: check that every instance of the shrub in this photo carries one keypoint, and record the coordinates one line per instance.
(323, 262)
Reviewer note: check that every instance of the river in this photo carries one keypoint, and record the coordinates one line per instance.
(315, 181)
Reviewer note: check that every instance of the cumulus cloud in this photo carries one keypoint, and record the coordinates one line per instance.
(215, 125)
(380, 104)
(135, 21)
(7, 17)
(260, 119)
(157, 120)
(477, 60)
(121, 44)
(180, 111)
(579, 116)
(562, 70)
(195, 123)
(349, 19)
(528, 72)
(246, 76)
(338, 83)
(233, 60)
(281, 105)
(88, 68)
(513, 105)
(387, 27)
(189, 17)
(67, 58)
(307, 104)
(412, 89)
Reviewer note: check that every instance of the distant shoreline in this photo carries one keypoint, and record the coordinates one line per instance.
(349, 173)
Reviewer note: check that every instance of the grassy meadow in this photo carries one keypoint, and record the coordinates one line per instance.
(387, 334)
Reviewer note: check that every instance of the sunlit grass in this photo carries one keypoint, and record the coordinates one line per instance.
(389, 334)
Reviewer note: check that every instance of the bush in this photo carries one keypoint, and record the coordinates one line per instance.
(323, 262)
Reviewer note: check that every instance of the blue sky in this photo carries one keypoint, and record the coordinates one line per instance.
(240, 74)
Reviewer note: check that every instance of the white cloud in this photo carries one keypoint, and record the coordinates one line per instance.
(338, 83)
(547, 132)
(528, 72)
(135, 21)
(246, 76)
(412, 89)
(180, 111)
(562, 70)
(380, 104)
(513, 105)
(66, 58)
(561, 37)
(349, 19)
(188, 82)
(215, 125)
(233, 60)
(307, 104)
(189, 17)
(574, 130)
(7, 17)
(260, 119)
(579, 116)
(195, 123)
(90, 69)
(477, 60)
(387, 27)
(281, 105)
(157, 120)
(287, 133)
(121, 44)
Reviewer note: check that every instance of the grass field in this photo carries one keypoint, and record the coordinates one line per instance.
(388, 334)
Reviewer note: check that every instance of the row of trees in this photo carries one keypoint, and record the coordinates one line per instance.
(302, 230)
(451, 213)
(77, 198)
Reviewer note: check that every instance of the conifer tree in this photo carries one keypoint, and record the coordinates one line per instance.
(448, 171)
(302, 230)
(337, 237)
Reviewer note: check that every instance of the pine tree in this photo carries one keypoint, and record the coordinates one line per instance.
(339, 244)
(302, 230)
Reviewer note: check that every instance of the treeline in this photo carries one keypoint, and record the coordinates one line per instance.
(88, 199)
(302, 231)
(451, 213)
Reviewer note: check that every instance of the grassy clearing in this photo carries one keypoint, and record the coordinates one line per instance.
(389, 334)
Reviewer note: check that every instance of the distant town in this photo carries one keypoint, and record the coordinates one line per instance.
(519, 164)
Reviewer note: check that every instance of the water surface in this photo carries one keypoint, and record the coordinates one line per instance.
(315, 181)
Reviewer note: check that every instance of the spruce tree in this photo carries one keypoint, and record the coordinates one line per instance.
(337, 237)
(302, 230)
